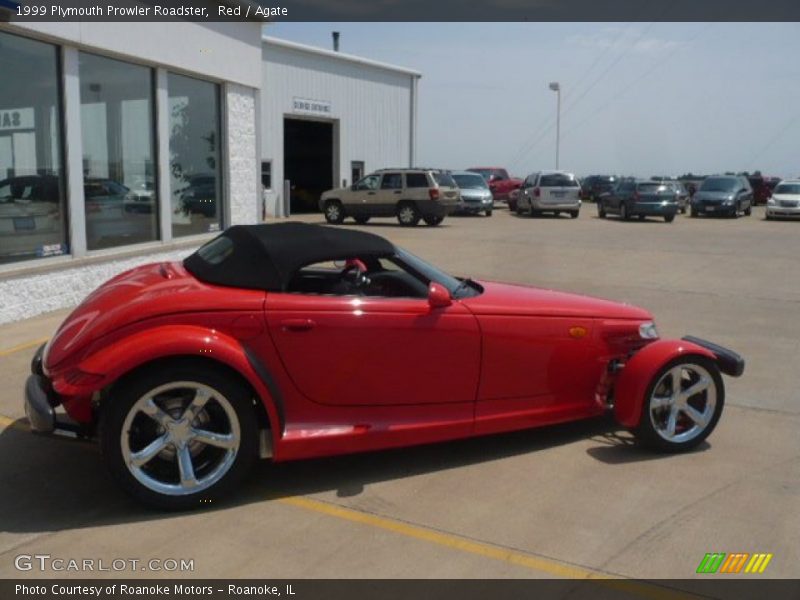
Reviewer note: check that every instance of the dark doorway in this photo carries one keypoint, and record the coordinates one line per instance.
(307, 162)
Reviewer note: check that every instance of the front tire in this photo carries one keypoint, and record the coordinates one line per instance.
(601, 210)
(682, 405)
(179, 436)
(574, 214)
(334, 212)
(489, 212)
(623, 212)
(669, 218)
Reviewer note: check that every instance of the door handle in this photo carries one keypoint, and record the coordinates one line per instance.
(297, 324)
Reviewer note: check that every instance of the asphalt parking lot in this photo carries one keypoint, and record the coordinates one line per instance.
(568, 501)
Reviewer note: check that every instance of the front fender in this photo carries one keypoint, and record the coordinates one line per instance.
(631, 385)
(115, 360)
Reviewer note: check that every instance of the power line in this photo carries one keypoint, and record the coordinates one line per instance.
(634, 82)
(583, 94)
(547, 124)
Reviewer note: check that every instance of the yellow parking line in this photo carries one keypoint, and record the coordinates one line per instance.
(9, 422)
(522, 559)
(21, 347)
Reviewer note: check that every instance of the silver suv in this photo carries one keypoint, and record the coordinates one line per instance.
(550, 191)
(410, 195)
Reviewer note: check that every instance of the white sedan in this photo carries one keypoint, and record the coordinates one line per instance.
(785, 200)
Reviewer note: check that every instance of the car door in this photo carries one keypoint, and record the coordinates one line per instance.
(362, 195)
(526, 191)
(362, 351)
(389, 193)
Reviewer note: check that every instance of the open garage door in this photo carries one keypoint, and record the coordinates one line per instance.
(308, 161)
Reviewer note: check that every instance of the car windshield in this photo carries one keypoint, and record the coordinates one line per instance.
(444, 179)
(719, 184)
(471, 182)
(788, 188)
(458, 288)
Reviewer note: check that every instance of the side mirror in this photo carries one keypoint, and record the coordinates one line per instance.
(438, 295)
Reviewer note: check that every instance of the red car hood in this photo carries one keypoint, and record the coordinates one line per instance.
(142, 293)
(507, 299)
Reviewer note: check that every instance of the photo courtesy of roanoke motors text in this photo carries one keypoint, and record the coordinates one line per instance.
(399, 300)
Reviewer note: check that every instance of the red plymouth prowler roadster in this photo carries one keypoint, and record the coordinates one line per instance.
(292, 341)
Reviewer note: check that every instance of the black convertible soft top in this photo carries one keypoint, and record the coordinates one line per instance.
(265, 257)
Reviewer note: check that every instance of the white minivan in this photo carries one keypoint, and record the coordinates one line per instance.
(550, 191)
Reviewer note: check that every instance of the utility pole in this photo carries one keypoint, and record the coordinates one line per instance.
(554, 85)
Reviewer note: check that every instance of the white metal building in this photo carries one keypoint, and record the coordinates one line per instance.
(328, 119)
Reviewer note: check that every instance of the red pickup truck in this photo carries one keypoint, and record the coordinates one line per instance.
(500, 182)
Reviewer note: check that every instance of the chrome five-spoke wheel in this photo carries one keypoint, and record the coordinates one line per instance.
(180, 434)
(180, 438)
(683, 404)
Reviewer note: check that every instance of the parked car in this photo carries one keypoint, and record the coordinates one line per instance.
(409, 194)
(593, 186)
(681, 194)
(141, 196)
(254, 346)
(476, 197)
(31, 221)
(500, 182)
(723, 195)
(639, 198)
(785, 200)
(200, 195)
(550, 191)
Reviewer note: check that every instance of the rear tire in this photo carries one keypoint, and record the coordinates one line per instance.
(669, 218)
(334, 212)
(489, 212)
(407, 214)
(185, 471)
(574, 214)
(623, 212)
(658, 429)
(601, 210)
(748, 211)
(693, 214)
(433, 221)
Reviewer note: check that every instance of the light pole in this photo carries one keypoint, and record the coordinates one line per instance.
(557, 89)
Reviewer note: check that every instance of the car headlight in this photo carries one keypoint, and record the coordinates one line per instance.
(771, 201)
(648, 331)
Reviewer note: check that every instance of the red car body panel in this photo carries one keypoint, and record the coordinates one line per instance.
(638, 373)
(339, 374)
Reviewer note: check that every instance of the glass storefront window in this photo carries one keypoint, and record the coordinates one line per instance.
(118, 152)
(194, 155)
(32, 199)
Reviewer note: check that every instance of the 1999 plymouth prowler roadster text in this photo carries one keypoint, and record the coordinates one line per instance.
(293, 341)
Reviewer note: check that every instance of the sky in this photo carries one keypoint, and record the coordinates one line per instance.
(638, 99)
